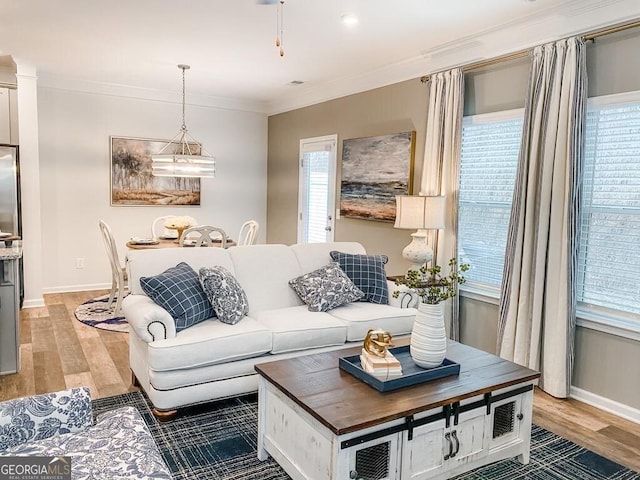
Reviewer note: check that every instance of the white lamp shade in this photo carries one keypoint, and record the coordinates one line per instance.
(183, 165)
(420, 213)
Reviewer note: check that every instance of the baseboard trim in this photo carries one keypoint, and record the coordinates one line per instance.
(608, 405)
(77, 288)
(33, 303)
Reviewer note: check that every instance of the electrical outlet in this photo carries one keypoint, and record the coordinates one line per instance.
(79, 262)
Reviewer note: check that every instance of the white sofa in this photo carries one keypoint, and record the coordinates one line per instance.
(212, 360)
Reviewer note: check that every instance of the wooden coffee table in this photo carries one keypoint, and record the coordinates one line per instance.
(320, 422)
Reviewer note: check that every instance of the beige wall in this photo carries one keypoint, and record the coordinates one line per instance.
(397, 108)
(478, 324)
(608, 366)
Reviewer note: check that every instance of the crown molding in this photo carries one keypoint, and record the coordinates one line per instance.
(75, 85)
(571, 18)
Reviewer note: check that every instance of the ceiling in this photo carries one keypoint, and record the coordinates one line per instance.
(135, 45)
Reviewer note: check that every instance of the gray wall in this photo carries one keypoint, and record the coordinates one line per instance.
(605, 364)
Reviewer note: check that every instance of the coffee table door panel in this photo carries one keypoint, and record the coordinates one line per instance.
(468, 436)
(375, 460)
(427, 452)
(436, 448)
(505, 423)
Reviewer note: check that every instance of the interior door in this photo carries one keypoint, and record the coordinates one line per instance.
(317, 186)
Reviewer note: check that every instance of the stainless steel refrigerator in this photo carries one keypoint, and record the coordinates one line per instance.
(10, 220)
(10, 214)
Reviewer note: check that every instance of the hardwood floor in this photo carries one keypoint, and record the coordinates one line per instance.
(59, 352)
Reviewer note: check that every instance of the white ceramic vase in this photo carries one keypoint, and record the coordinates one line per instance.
(428, 337)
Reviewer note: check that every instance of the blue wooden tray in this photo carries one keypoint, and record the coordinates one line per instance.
(412, 374)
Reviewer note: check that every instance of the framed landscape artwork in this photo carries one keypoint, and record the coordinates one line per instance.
(374, 171)
(132, 182)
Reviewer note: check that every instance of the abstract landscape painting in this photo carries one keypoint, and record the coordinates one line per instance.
(374, 171)
(132, 182)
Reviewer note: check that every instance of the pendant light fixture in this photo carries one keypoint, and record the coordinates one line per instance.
(183, 156)
(280, 28)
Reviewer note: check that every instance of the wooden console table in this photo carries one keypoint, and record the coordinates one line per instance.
(319, 422)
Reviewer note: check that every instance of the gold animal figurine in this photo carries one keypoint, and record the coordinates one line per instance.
(377, 342)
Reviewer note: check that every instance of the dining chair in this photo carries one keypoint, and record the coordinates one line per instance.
(118, 272)
(248, 233)
(204, 236)
(156, 232)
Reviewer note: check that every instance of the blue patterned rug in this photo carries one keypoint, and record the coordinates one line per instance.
(96, 313)
(217, 441)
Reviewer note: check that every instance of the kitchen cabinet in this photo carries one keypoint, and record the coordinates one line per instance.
(9, 310)
(8, 116)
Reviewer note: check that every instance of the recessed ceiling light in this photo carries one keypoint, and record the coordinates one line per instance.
(296, 82)
(349, 19)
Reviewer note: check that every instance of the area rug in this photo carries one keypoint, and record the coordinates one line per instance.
(96, 313)
(218, 441)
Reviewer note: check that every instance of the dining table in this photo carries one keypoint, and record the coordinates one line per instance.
(168, 243)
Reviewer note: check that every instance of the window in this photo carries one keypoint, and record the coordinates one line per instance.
(317, 179)
(488, 164)
(608, 291)
(609, 255)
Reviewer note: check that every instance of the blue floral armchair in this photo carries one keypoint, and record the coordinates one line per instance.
(119, 445)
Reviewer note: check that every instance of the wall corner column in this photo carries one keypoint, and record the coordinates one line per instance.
(30, 184)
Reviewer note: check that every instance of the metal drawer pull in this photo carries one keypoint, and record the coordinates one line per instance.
(447, 437)
(455, 437)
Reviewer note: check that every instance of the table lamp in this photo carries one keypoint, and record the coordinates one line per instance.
(422, 213)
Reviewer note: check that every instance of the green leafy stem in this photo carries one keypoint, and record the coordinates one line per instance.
(430, 285)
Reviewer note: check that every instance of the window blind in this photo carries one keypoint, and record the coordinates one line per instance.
(316, 168)
(609, 254)
(488, 167)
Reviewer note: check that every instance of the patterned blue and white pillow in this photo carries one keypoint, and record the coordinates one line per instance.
(367, 272)
(326, 288)
(179, 292)
(23, 420)
(119, 445)
(224, 293)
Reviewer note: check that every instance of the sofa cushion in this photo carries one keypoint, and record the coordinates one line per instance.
(264, 272)
(119, 445)
(326, 288)
(312, 256)
(209, 343)
(296, 328)
(152, 261)
(367, 272)
(224, 293)
(361, 316)
(179, 292)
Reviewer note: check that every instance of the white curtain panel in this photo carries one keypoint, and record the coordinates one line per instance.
(537, 305)
(441, 169)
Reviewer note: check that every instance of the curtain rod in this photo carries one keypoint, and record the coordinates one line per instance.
(524, 53)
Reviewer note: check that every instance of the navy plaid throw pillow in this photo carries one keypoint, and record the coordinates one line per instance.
(179, 292)
(367, 272)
